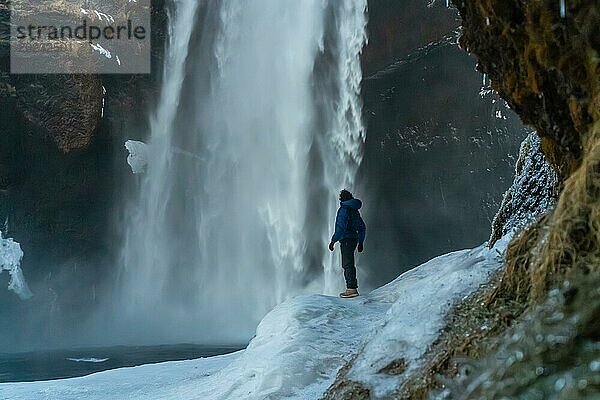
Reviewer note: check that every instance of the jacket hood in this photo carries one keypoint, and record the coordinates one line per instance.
(354, 203)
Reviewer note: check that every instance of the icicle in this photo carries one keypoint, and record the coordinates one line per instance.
(101, 50)
(485, 87)
(103, 94)
(563, 8)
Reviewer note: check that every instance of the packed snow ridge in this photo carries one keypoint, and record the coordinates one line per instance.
(301, 344)
(10, 260)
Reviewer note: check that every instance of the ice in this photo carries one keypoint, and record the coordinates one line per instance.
(10, 260)
(101, 16)
(433, 2)
(101, 50)
(103, 101)
(153, 381)
(533, 192)
(301, 345)
(419, 299)
(88, 360)
(138, 156)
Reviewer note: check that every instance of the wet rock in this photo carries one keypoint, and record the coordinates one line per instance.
(65, 108)
(545, 66)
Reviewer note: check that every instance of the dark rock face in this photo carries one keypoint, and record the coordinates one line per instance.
(544, 65)
(66, 108)
(397, 28)
(437, 154)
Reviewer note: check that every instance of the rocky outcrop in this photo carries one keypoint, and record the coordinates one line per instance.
(532, 194)
(65, 108)
(543, 63)
(68, 108)
(543, 57)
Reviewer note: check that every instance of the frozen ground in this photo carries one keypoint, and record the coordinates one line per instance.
(301, 344)
(151, 381)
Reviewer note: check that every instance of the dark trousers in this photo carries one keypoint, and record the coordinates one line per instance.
(348, 246)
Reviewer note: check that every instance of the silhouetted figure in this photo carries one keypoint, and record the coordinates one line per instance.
(350, 231)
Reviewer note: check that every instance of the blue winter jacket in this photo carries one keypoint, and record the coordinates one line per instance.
(348, 222)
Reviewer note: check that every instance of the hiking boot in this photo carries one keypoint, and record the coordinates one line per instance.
(349, 293)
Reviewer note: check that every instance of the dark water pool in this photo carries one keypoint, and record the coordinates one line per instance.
(57, 364)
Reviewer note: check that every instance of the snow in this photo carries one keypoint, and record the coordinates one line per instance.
(301, 344)
(101, 50)
(152, 381)
(533, 193)
(89, 360)
(420, 299)
(138, 156)
(10, 260)
(101, 16)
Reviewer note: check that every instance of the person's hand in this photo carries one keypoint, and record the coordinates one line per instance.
(360, 247)
(331, 246)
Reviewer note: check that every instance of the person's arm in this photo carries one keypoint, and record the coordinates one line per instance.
(340, 224)
(362, 230)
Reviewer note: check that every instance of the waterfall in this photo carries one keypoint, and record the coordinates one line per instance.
(257, 129)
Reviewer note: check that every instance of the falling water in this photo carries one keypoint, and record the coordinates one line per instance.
(257, 129)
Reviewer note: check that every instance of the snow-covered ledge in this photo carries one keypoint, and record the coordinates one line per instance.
(300, 345)
(10, 260)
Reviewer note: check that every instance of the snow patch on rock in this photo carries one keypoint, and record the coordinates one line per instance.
(138, 156)
(533, 193)
(10, 260)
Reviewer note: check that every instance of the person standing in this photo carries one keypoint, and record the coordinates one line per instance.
(350, 230)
